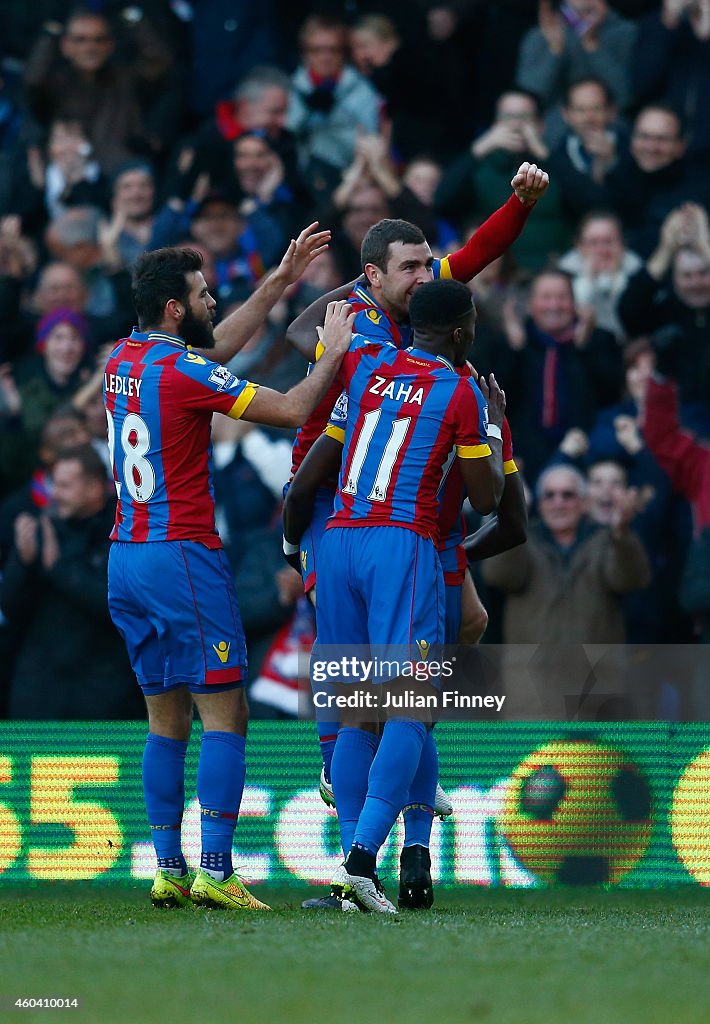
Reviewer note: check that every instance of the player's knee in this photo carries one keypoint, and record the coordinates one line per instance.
(473, 625)
(224, 712)
(170, 714)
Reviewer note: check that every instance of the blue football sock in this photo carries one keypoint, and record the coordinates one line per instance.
(164, 792)
(418, 812)
(328, 733)
(391, 775)
(354, 754)
(327, 727)
(220, 782)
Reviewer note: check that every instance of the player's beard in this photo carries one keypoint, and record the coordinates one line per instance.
(197, 333)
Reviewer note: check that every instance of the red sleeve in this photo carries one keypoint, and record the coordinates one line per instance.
(489, 241)
(676, 452)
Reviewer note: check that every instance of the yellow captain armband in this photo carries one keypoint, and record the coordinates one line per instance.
(244, 401)
(509, 467)
(473, 451)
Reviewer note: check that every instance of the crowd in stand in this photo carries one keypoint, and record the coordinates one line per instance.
(228, 126)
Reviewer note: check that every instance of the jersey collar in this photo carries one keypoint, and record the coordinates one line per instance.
(421, 354)
(361, 293)
(172, 339)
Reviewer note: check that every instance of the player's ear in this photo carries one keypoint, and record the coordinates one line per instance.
(174, 309)
(372, 273)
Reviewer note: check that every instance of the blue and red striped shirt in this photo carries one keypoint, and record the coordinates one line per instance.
(406, 411)
(159, 399)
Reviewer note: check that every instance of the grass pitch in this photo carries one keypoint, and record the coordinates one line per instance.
(519, 957)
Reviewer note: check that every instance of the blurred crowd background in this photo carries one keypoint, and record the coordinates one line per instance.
(228, 125)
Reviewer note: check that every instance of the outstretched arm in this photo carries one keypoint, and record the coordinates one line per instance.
(234, 332)
(293, 408)
(498, 233)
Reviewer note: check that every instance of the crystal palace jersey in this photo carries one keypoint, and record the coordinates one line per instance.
(159, 401)
(451, 491)
(377, 325)
(406, 411)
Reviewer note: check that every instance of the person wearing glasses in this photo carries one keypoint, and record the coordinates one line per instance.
(73, 72)
(565, 587)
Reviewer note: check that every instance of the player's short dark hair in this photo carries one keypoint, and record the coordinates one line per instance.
(439, 304)
(609, 97)
(159, 276)
(92, 465)
(376, 244)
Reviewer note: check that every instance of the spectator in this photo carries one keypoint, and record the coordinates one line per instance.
(559, 369)
(563, 587)
(70, 664)
(64, 428)
(488, 165)
(639, 481)
(59, 286)
(79, 237)
(611, 436)
(600, 266)
(18, 260)
(329, 102)
(61, 344)
(426, 85)
(126, 109)
(422, 176)
(259, 103)
(584, 37)
(260, 177)
(655, 178)
(67, 174)
(671, 64)
(589, 148)
(687, 463)
(133, 213)
(671, 296)
(240, 248)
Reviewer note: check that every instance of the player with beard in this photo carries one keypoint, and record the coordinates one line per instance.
(171, 592)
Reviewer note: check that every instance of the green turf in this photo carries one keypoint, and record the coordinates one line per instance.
(519, 957)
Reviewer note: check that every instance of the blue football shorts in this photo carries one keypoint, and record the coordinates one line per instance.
(380, 586)
(311, 539)
(175, 605)
(449, 559)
